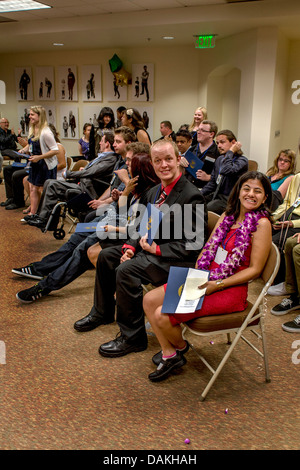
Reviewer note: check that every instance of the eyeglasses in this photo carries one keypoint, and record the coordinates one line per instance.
(203, 130)
(283, 160)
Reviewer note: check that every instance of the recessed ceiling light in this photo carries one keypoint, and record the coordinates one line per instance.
(7, 6)
(168, 37)
(58, 44)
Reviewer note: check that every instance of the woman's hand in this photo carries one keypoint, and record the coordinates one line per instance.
(210, 287)
(35, 158)
(115, 194)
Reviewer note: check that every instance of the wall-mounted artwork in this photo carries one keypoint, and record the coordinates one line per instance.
(69, 125)
(23, 119)
(142, 82)
(44, 84)
(90, 114)
(67, 83)
(51, 115)
(114, 92)
(91, 83)
(24, 89)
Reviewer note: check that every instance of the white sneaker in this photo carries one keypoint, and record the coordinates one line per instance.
(279, 289)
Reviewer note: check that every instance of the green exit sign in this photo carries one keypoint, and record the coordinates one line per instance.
(205, 42)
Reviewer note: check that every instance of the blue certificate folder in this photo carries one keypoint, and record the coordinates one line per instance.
(175, 285)
(150, 222)
(196, 164)
(82, 227)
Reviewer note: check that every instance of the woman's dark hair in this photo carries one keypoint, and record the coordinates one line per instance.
(141, 166)
(136, 118)
(106, 111)
(54, 132)
(233, 204)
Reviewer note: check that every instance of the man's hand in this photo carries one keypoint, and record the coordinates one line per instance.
(127, 255)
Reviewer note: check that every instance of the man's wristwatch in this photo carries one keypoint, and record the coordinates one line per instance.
(220, 284)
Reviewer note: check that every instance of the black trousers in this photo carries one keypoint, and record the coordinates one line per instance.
(126, 281)
(13, 180)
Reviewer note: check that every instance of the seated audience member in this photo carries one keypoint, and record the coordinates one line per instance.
(120, 111)
(132, 119)
(228, 168)
(123, 137)
(183, 141)
(166, 131)
(206, 150)
(8, 141)
(292, 284)
(200, 115)
(14, 189)
(84, 142)
(245, 224)
(61, 267)
(122, 270)
(90, 180)
(281, 174)
(286, 224)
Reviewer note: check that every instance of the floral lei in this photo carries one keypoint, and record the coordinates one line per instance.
(241, 243)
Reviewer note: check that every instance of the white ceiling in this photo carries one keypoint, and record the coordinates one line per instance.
(93, 24)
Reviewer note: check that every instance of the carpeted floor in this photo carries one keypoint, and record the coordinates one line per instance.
(57, 393)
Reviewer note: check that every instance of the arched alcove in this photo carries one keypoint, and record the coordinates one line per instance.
(223, 97)
(2, 92)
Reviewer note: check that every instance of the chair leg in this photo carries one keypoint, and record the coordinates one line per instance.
(265, 352)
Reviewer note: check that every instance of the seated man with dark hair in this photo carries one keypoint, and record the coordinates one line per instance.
(227, 169)
(96, 175)
(122, 270)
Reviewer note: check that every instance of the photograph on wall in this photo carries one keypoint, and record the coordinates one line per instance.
(91, 83)
(51, 115)
(44, 84)
(142, 88)
(67, 83)
(90, 114)
(69, 125)
(23, 119)
(24, 89)
(114, 92)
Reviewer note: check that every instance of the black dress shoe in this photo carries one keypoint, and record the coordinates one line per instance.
(37, 222)
(156, 359)
(120, 347)
(90, 322)
(12, 206)
(166, 366)
(7, 202)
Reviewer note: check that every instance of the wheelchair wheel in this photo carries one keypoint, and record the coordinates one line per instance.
(59, 234)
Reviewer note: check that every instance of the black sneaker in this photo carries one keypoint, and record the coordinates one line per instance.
(35, 292)
(166, 366)
(27, 271)
(156, 359)
(286, 306)
(292, 326)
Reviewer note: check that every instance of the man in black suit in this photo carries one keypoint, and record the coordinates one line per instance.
(122, 270)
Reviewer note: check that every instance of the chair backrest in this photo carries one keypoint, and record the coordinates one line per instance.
(252, 165)
(212, 220)
(271, 267)
(69, 162)
(79, 164)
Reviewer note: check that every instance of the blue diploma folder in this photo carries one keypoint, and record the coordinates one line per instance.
(150, 222)
(82, 227)
(175, 285)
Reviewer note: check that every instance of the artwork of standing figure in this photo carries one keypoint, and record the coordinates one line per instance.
(137, 87)
(116, 88)
(72, 123)
(71, 83)
(143, 89)
(23, 85)
(145, 76)
(65, 125)
(48, 85)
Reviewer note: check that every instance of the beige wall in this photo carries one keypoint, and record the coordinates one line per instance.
(245, 82)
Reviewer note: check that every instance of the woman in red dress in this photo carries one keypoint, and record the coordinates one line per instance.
(235, 253)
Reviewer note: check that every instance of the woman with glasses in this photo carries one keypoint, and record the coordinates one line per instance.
(281, 174)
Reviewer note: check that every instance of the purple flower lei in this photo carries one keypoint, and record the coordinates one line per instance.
(241, 243)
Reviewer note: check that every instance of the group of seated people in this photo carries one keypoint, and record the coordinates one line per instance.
(129, 173)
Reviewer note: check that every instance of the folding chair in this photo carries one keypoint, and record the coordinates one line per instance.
(252, 318)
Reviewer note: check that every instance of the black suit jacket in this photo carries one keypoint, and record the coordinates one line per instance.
(185, 213)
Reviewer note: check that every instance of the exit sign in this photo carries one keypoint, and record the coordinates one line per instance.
(205, 42)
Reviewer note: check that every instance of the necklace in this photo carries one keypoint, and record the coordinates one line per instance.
(241, 244)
